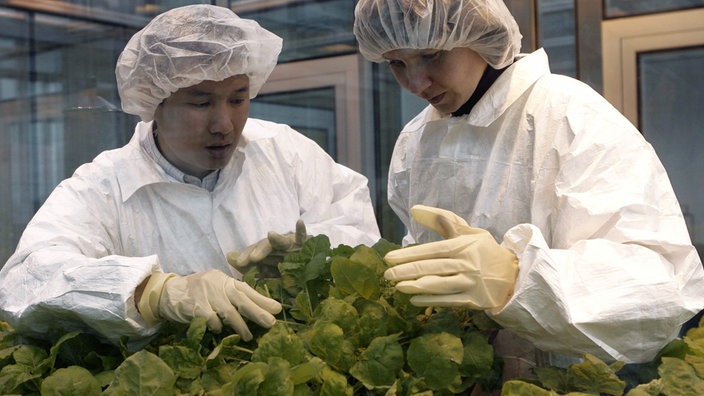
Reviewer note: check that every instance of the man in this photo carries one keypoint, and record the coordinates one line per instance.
(141, 234)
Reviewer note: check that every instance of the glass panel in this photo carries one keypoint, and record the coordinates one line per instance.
(671, 92)
(58, 107)
(310, 112)
(74, 63)
(310, 29)
(621, 8)
(556, 33)
(15, 117)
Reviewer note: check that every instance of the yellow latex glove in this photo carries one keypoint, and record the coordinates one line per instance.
(213, 295)
(468, 268)
(274, 243)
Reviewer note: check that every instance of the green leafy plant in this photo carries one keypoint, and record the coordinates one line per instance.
(342, 313)
(678, 370)
(343, 331)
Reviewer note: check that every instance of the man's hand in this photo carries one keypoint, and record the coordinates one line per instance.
(467, 268)
(274, 244)
(213, 295)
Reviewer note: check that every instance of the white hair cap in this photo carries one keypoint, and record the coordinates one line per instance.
(188, 45)
(484, 26)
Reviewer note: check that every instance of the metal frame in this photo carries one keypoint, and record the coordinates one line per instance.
(342, 73)
(624, 38)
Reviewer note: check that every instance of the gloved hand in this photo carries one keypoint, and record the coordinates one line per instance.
(468, 268)
(212, 294)
(275, 243)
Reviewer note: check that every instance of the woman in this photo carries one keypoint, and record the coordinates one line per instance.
(594, 254)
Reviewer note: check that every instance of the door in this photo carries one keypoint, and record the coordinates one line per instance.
(653, 73)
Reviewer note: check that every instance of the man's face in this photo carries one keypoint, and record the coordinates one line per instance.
(198, 127)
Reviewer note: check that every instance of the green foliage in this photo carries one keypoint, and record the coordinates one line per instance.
(343, 331)
(72, 380)
(678, 370)
(360, 330)
(437, 358)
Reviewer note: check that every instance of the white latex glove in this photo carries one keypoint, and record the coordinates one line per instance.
(213, 295)
(274, 243)
(468, 268)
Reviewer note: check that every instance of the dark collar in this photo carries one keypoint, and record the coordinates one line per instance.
(488, 77)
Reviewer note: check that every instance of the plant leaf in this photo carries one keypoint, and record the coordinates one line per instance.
(280, 342)
(679, 378)
(184, 361)
(478, 356)
(339, 312)
(247, 379)
(372, 321)
(307, 371)
(277, 379)
(72, 380)
(328, 341)
(520, 388)
(436, 358)
(143, 373)
(14, 376)
(352, 277)
(594, 376)
(334, 384)
(378, 365)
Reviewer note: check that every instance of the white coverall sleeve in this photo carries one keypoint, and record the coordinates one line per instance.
(335, 200)
(64, 274)
(607, 266)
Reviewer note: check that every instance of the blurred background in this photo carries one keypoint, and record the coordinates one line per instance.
(59, 105)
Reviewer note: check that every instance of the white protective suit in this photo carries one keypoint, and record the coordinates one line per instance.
(119, 218)
(545, 163)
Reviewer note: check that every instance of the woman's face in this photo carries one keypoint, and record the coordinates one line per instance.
(198, 127)
(446, 79)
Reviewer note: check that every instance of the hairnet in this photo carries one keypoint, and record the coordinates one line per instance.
(485, 26)
(188, 45)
